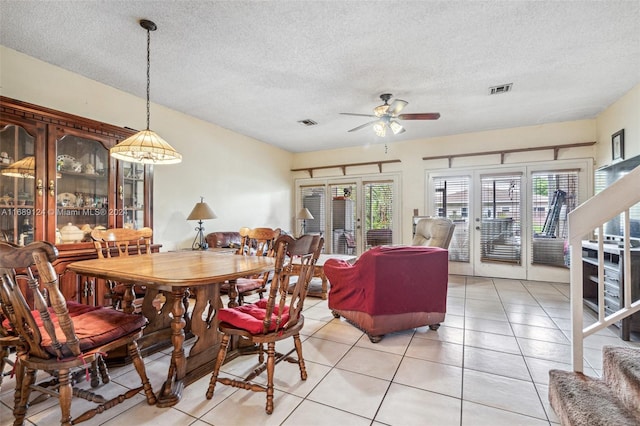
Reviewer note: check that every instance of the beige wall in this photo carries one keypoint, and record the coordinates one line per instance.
(623, 114)
(214, 159)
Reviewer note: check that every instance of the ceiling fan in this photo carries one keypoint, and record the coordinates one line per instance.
(386, 116)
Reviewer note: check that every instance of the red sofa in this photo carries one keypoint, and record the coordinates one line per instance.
(390, 289)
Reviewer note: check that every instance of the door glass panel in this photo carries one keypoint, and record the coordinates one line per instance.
(313, 198)
(343, 218)
(554, 195)
(451, 200)
(17, 185)
(500, 236)
(378, 213)
(132, 193)
(82, 188)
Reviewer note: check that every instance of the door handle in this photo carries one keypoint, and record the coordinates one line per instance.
(477, 228)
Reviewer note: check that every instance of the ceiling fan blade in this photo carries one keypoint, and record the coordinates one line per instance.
(396, 106)
(357, 115)
(420, 116)
(364, 125)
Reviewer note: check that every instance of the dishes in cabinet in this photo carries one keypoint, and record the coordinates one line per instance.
(71, 233)
(65, 162)
(66, 199)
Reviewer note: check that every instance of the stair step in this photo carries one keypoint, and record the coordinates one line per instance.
(621, 372)
(580, 400)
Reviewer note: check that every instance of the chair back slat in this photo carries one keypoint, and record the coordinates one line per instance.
(49, 278)
(14, 303)
(304, 251)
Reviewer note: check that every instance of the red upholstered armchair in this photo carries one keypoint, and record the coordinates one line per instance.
(390, 289)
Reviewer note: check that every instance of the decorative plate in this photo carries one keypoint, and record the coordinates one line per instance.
(66, 161)
(66, 199)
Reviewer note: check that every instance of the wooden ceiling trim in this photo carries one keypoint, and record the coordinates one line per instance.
(343, 167)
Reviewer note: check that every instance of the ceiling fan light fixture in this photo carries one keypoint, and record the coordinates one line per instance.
(146, 146)
(381, 110)
(380, 128)
(396, 127)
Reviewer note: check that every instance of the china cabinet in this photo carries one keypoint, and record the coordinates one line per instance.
(58, 182)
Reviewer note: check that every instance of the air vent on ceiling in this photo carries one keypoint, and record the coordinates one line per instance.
(307, 122)
(503, 88)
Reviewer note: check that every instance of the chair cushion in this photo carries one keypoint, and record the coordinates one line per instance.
(95, 328)
(244, 285)
(74, 309)
(250, 317)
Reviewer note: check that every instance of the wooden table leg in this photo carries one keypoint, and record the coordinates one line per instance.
(171, 391)
(127, 298)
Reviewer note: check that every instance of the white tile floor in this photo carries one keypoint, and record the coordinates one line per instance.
(487, 365)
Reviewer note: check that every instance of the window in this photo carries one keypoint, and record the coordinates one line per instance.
(452, 200)
(554, 195)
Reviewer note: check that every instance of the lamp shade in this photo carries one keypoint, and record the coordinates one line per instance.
(201, 211)
(304, 214)
(25, 168)
(146, 147)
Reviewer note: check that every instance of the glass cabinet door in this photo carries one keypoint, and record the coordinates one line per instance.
(132, 195)
(17, 185)
(81, 188)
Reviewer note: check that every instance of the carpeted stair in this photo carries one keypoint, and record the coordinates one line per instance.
(580, 400)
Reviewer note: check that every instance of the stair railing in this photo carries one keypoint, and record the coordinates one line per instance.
(616, 199)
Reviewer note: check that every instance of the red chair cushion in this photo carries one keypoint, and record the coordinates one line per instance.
(74, 309)
(250, 317)
(95, 328)
(244, 284)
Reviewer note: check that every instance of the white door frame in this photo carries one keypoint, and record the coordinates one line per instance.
(358, 180)
(534, 272)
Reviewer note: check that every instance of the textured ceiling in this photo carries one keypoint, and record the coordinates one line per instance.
(258, 67)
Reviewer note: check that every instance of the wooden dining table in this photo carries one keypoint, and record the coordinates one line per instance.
(171, 278)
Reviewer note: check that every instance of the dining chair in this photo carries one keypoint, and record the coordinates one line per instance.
(255, 242)
(270, 320)
(57, 342)
(123, 242)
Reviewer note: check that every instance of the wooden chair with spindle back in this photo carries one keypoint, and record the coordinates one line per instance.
(53, 340)
(123, 242)
(255, 242)
(272, 319)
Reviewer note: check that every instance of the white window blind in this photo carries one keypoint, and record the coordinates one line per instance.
(451, 200)
(313, 198)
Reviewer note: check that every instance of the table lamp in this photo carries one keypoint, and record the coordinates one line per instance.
(201, 212)
(303, 215)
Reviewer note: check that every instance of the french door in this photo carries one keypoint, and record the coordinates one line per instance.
(510, 222)
(352, 214)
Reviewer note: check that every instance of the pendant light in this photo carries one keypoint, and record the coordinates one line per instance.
(146, 146)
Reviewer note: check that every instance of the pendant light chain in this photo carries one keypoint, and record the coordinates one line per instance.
(146, 146)
(148, 75)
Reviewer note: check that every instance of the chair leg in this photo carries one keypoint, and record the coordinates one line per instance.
(4, 354)
(104, 372)
(298, 345)
(271, 362)
(24, 379)
(222, 353)
(134, 353)
(65, 391)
